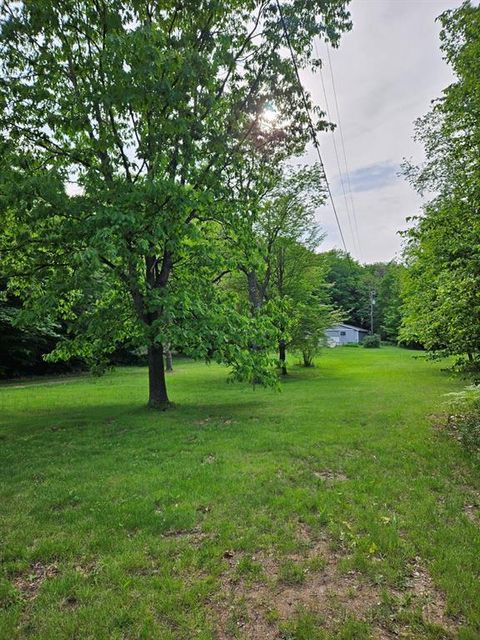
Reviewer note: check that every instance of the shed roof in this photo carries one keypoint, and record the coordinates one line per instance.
(350, 326)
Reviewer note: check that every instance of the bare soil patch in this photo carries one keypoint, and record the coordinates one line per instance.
(431, 599)
(255, 607)
(472, 512)
(29, 582)
(330, 476)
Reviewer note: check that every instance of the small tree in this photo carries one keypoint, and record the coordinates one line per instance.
(282, 237)
(312, 318)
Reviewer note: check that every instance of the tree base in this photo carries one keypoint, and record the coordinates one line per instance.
(160, 405)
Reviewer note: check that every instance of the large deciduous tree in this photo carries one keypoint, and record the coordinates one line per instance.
(442, 305)
(126, 125)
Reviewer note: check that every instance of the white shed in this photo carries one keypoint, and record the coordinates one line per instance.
(345, 334)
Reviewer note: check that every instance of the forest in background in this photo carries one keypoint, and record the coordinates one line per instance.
(349, 287)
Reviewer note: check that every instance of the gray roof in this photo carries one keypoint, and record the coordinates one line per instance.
(349, 326)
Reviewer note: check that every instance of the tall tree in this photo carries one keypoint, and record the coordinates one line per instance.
(442, 306)
(307, 291)
(283, 235)
(383, 282)
(125, 124)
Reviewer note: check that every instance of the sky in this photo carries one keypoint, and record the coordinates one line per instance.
(386, 72)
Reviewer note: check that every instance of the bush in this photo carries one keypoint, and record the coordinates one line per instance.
(371, 342)
(464, 417)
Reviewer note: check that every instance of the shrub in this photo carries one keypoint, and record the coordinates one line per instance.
(464, 417)
(371, 342)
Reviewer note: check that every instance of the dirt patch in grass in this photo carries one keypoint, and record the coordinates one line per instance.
(472, 506)
(29, 582)
(70, 602)
(254, 606)
(260, 593)
(87, 568)
(214, 421)
(428, 597)
(195, 536)
(203, 422)
(473, 513)
(330, 476)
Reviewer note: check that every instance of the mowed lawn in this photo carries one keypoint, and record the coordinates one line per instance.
(331, 509)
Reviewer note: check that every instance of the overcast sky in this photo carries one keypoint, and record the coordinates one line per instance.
(386, 72)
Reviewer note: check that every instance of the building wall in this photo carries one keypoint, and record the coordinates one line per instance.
(345, 335)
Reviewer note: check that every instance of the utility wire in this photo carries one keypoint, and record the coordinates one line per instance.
(335, 148)
(342, 140)
(310, 122)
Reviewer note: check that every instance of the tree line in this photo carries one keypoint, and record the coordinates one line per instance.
(441, 291)
(314, 289)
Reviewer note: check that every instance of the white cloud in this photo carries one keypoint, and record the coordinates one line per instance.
(386, 71)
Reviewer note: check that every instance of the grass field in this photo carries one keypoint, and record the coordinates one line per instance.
(333, 509)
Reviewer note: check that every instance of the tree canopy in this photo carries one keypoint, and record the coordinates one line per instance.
(442, 253)
(352, 285)
(132, 134)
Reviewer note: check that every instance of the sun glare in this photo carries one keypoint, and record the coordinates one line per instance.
(269, 114)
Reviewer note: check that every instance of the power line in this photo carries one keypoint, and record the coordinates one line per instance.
(310, 122)
(335, 148)
(342, 140)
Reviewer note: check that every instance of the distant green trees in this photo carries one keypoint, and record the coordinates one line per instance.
(442, 284)
(22, 350)
(352, 286)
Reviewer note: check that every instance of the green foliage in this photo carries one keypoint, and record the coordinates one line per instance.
(282, 233)
(310, 321)
(464, 417)
(22, 350)
(385, 280)
(442, 282)
(349, 291)
(129, 133)
(371, 342)
(351, 287)
(287, 275)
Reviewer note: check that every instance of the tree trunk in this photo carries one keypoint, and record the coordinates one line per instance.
(168, 358)
(307, 359)
(253, 293)
(282, 357)
(157, 398)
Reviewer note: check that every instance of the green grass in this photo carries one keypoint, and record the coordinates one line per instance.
(118, 522)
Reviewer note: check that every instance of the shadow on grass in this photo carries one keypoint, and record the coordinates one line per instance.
(62, 417)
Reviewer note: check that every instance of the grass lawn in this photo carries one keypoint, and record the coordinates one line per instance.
(330, 510)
